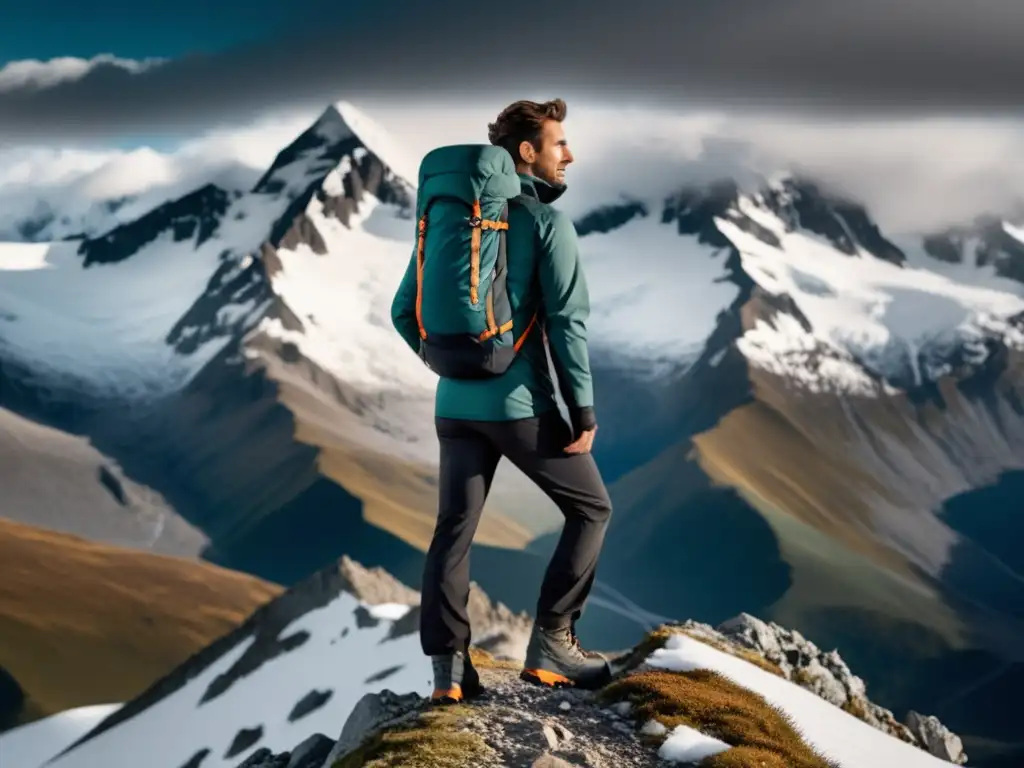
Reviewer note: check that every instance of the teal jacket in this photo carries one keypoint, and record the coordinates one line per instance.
(545, 275)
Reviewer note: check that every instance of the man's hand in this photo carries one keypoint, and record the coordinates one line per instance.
(582, 443)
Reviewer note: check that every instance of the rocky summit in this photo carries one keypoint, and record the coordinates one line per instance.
(634, 721)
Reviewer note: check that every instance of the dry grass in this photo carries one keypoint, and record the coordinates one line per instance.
(761, 734)
(856, 708)
(433, 740)
(802, 677)
(87, 623)
(802, 474)
(483, 660)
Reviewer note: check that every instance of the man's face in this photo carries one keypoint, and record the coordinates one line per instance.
(549, 162)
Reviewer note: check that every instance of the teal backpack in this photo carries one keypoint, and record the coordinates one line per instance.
(462, 304)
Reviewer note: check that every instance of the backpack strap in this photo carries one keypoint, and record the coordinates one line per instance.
(501, 268)
(533, 320)
(479, 224)
(421, 246)
(521, 339)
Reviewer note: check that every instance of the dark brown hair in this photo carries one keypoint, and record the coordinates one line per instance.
(522, 121)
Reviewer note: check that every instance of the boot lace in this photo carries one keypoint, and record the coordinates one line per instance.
(574, 644)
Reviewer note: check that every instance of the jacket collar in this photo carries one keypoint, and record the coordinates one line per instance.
(540, 189)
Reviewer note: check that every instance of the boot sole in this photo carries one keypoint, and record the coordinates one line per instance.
(554, 680)
(545, 678)
(456, 695)
(452, 695)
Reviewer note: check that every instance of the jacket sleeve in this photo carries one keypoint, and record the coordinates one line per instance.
(403, 307)
(566, 303)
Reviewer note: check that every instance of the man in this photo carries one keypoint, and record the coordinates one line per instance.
(516, 415)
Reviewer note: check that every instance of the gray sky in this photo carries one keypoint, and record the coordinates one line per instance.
(860, 57)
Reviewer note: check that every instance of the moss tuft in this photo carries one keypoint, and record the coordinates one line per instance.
(718, 707)
(746, 757)
(433, 740)
(483, 660)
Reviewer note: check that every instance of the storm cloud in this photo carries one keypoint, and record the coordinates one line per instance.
(855, 58)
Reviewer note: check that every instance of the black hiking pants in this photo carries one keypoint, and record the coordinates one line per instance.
(470, 452)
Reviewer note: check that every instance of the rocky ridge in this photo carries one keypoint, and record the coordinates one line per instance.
(519, 725)
(513, 724)
(827, 675)
(497, 630)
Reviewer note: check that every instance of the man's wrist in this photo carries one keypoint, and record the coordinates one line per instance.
(583, 419)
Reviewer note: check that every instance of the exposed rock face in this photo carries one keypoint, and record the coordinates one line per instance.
(196, 215)
(309, 754)
(375, 586)
(936, 738)
(496, 628)
(375, 711)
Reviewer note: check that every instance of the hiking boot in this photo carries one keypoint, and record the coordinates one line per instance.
(554, 658)
(576, 641)
(455, 678)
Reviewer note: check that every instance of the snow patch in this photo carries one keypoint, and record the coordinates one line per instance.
(344, 298)
(338, 655)
(655, 294)
(29, 746)
(686, 745)
(105, 328)
(867, 315)
(389, 611)
(782, 347)
(1017, 233)
(378, 141)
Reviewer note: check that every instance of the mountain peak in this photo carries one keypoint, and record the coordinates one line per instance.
(342, 135)
(374, 137)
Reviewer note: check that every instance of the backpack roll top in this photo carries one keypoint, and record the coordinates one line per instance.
(462, 304)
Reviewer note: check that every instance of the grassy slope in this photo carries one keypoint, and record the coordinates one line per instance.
(810, 505)
(397, 495)
(86, 623)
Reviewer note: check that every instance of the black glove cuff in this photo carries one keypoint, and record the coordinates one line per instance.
(582, 419)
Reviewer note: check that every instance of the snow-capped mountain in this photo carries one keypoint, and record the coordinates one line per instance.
(83, 202)
(137, 312)
(862, 313)
(766, 351)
